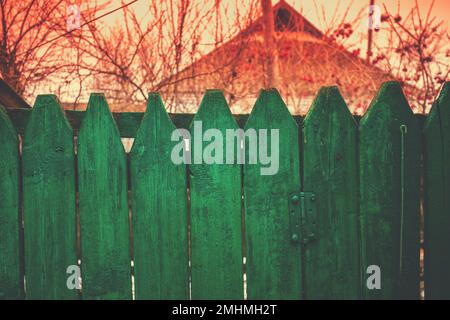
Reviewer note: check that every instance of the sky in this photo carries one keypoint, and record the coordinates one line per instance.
(321, 13)
(312, 10)
(441, 8)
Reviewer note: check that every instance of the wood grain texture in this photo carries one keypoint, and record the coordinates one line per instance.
(273, 260)
(389, 204)
(437, 199)
(330, 160)
(159, 205)
(10, 284)
(49, 201)
(104, 220)
(216, 231)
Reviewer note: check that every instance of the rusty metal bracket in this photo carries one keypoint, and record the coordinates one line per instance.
(302, 217)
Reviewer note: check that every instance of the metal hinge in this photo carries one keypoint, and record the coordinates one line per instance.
(302, 217)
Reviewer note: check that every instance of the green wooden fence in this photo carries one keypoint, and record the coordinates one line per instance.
(347, 195)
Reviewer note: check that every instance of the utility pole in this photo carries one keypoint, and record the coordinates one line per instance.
(370, 27)
(272, 68)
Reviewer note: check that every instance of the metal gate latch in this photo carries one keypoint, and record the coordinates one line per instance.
(302, 217)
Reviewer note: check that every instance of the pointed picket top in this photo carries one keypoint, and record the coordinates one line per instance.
(155, 113)
(6, 126)
(214, 107)
(441, 107)
(98, 119)
(269, 106)
(97, 105)
(46, 125)
(98, 108)
(46, 107)
(329, 101)
(390, 98)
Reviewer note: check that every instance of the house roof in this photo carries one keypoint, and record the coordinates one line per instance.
(9, 98)
(307, 61)
(286, 19)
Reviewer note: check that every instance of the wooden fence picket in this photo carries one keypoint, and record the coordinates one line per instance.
(104, 212)
(437, 198)
(49, 202)
(159, 209)
(329, 171)
(273, 258)
(10, 283)
(215, 209)
(390, 149)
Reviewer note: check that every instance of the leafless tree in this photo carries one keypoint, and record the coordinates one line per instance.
(32, 42)
(25, 28)
(147, 51)
(417, 53)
